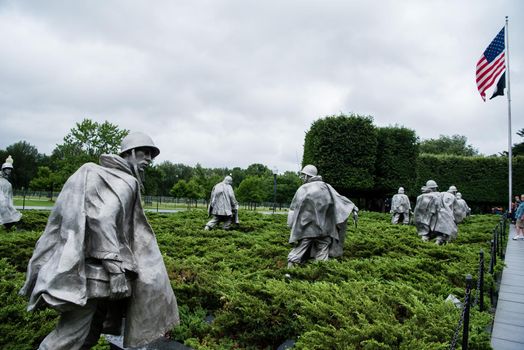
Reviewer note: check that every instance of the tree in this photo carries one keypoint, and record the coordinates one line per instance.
(343, 148)
(253, 190)
(179, 189)
(45, 180)
(171, 173)
(26, 160)
(86, 142)
(257, 169)
(287, 185)
(518, 148)
(194, 191)
(451, 145)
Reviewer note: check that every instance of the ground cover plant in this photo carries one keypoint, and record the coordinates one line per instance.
(388, 290)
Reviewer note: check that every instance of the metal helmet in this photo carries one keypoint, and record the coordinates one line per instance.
(459, 195)
(431, 184)
(310, 170)
(452, 189)
(8, 163)
(228, 179)
(401, 190)
(136, 140)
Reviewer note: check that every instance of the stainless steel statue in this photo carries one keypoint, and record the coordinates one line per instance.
(223, 205)
(98, 258)
(435, 214)
(462, 203)
(318, 219)
(400, 206)
(9, 216)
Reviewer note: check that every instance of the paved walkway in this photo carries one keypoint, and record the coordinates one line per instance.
(508, 327)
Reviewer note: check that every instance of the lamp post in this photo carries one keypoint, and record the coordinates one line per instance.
(275, 172)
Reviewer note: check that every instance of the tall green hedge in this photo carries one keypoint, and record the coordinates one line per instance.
(481, 180)
(343, 148)
(370, 163)
(397, 151)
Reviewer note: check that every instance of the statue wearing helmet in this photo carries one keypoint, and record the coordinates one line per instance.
(463, 207)
(114, 266)
(138, 149)
(223, 205)
(318, 219)
(9, 216)
(400, 207)
(435, 214)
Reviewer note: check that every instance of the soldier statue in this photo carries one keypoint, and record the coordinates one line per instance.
(98, 259)
(318, 219)
(434, 214)
(400, 206)
(9, 216)
(463, 204)
(223, 205)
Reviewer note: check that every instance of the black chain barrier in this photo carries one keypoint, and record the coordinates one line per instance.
(479, 292)
(464, 318)
(497, 248)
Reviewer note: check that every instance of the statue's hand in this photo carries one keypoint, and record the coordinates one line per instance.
(117, 285)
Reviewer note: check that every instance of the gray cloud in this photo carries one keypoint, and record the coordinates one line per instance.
(230, 83)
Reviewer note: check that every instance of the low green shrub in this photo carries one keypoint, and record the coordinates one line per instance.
(387, 291)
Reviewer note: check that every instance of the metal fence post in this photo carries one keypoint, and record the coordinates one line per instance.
(494, 251)
(502, 238)
(465, 331)
(481, 281)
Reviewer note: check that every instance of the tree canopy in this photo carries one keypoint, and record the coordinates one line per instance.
(343, 148)
(456, 145)
(518, 148)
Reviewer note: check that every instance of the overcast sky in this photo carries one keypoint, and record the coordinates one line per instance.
(231, 83)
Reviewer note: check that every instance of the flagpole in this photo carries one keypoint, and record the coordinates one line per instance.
(510, 155)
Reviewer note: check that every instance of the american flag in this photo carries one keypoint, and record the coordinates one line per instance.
(491, 65)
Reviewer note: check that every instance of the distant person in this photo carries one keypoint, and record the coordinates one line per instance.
(223, 205)
(318, 219)
(400, 207)
(514, 205)
(434, 216)
(519, 224)
(9, 216)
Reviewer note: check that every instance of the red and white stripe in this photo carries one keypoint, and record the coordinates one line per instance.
(487, 73)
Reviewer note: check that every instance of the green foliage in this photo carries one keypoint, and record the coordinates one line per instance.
(171, 173)
(255, 189)
(343, 148)
(481, 180)
(397, 151)
(26, 159)
(287, 185)
(451, 145)
(45, 179)
(518, 148)
(386, 292)
(85, 143)
(18, 328)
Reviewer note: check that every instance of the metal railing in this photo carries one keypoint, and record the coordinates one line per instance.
(497, 250)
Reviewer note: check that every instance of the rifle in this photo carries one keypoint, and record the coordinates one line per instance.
(235, 216)
(355, 219)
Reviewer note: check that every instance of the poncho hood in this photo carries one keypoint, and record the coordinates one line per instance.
(56, 275)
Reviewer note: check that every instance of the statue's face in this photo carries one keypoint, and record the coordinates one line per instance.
(303, 177)
(142, 158)
(7, 171)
